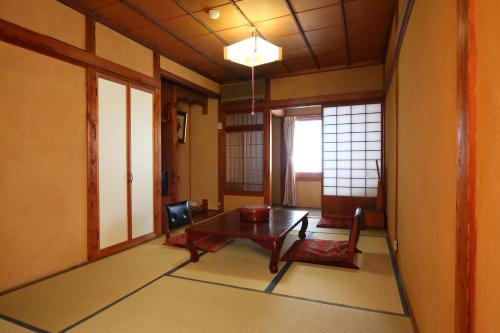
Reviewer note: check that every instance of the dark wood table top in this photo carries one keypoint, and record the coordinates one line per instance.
(230, 225)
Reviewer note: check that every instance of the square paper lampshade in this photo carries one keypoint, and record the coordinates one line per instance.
(253, 51)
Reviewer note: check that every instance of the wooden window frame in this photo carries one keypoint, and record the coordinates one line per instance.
(241, 129)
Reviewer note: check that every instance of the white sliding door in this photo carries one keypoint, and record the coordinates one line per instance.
(112, 123)
(141, 161)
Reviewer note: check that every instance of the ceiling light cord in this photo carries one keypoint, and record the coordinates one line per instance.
(253, 70)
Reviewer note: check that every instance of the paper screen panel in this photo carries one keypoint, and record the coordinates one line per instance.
(351, 146)
(112, 107)
(141, 155)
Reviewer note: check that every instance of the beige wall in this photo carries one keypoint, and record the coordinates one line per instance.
(179, 70)
(204, 155)
(308, 193)
(114, 46)
(427, 162)
(43, 167)
(47, 17)
(360, 79)
(488, 160)
(232, 202)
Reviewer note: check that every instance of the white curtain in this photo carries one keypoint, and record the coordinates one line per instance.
(289, 198)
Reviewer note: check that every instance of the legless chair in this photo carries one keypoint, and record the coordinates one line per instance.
(329, 252)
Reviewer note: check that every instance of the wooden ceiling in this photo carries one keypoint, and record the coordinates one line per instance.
(316, 35)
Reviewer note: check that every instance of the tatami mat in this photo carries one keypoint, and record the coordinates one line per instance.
(373, 286)
(7, 327)
(241, 263)
(177, 305)
(58, 302)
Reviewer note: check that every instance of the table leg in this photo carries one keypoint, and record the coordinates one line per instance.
(302, 232)
(275, 256)
(190, 246)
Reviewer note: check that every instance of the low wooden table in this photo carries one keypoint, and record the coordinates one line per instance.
(269, 235)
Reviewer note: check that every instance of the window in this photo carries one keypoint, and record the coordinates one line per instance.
(307, 146)
(244, 153)
(352, 143)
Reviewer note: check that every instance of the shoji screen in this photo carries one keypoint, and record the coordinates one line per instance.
(112, 115)
(141, 161)
(352, 143)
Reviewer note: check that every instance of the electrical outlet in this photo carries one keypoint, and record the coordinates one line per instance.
(395, 245)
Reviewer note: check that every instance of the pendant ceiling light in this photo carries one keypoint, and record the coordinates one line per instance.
(251, 52)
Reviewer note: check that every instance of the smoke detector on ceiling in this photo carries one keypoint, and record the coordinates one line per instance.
(214, 14)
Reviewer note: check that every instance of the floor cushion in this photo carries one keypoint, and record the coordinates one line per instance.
(335, 222)
(319, 251)
(205, 243)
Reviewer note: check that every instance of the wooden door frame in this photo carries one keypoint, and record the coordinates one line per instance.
(93, 248)
(466, 238)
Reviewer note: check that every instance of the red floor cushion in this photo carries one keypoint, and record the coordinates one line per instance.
(205, 243)
(318, 251)
(335, 222)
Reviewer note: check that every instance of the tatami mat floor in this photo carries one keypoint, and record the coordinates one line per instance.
(153, 288)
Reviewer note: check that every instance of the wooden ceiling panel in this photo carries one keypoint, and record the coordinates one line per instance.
(323, 36)
(274, 69)
(185, 26)
(372, 56)
(299, 53)
(96, 4)
(261, 10)
(366, 49)
(368, 29)
(297, 65)
(198, 41)
(179, 50)
(196, 5)
(320, 18)
(361, 10)
(303, 5)
(210, 45)
(277, 27)
(123, 16)
(294, 41)
(159, 9)
(153, 34)
(327, 49)
(332, 60)
(236, 34)
(229, 18)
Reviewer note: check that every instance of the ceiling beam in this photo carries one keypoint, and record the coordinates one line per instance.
(302, 33)
(346, 35)
(176, 36)
(235, 5)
